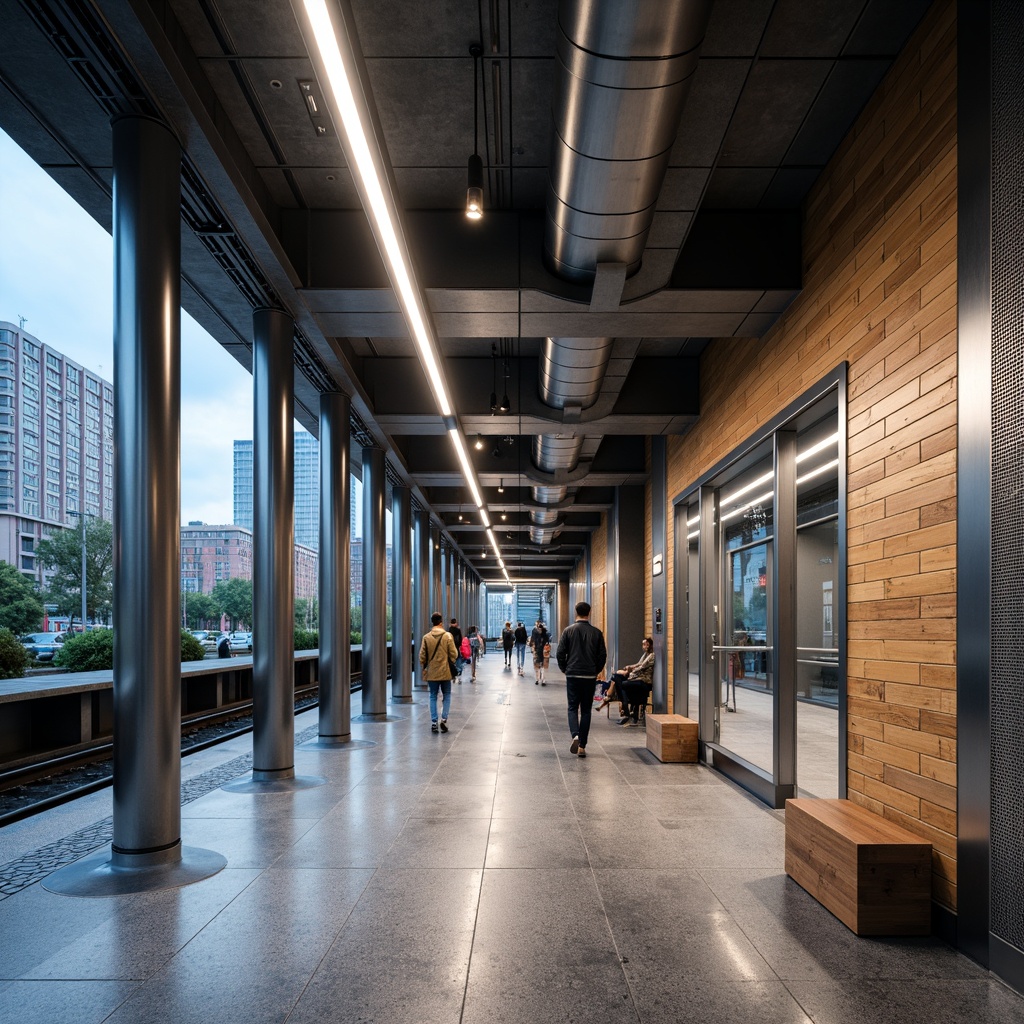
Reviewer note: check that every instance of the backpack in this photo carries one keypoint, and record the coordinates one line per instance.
(464, 648)
(474, 642)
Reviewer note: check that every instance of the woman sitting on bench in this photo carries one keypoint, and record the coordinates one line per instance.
(631, 684)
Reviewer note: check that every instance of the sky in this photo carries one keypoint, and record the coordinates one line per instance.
(56, 271)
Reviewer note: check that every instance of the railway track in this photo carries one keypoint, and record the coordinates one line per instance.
(48, 782)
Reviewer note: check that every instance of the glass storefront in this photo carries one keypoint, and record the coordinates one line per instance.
(761, 612)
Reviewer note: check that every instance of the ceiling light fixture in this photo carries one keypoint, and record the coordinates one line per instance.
(342, 69)
(478, 444)
(475, 183)
(467, 466)
(501, 486)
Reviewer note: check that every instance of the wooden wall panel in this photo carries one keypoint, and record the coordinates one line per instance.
(879, 293)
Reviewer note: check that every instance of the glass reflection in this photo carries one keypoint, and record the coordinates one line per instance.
(744, 698)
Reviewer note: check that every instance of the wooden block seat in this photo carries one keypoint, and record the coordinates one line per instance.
(672, 738)
(875, 876)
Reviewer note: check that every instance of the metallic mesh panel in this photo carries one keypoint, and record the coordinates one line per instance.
(1007, 896)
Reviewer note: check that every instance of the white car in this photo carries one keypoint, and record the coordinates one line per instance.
(241, 642)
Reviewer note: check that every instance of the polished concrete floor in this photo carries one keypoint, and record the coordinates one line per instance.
(483, 875)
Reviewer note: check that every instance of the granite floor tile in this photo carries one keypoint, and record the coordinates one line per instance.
(935, 1001)
(454, 801)
(440, 843)
(420, 922)
(144, 930)
(544, 843)
(681, 999)
(66, 1002)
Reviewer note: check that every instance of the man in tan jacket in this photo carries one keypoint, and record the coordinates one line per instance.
(437, 658)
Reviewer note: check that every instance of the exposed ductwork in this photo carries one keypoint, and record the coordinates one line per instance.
(623, 70)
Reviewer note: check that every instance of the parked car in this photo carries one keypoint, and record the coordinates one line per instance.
(241, 642)
(206, 638)
(43, 646)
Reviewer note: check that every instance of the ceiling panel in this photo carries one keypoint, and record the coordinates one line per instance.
(775, 101)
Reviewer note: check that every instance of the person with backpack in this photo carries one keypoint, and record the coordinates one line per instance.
(508, 640)
(476, 647)
(540, 642)
(520, 638)
(437, 659)
(460, 661)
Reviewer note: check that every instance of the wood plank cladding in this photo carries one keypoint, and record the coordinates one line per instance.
(879, 293)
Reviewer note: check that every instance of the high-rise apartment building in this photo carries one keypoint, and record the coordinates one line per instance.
(56, 445)
(307, 488)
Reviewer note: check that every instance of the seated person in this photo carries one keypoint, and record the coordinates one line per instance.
(631, 684)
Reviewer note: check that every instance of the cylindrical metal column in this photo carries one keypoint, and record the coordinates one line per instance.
(452, 604)
(146, 852)
(442, 604)
(435, 572)
(375, 596)
(335, 576)
(147, 548)
(401, 599)
(273, 547)
(421, 588)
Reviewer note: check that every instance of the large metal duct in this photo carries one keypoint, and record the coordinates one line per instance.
(623, 72)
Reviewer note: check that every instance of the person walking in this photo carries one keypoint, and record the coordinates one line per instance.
(520, 637)
(539, 639)
(437, 656)
(581, 656)
(476, 646)
(508, 640)
(460, 661)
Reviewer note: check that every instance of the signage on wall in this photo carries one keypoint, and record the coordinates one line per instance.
(656, 566)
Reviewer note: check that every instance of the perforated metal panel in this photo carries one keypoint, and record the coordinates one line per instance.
(1007, 896)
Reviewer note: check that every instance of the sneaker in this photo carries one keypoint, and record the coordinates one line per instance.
(575, 745)
(433, 726)
(582, 752)
(536, 682)
(623, 721)
(444, 725)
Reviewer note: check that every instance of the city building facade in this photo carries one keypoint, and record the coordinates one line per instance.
(56, 446)
(307, 487)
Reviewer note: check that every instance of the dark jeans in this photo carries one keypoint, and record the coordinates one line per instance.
(580, 694)
(634, 697)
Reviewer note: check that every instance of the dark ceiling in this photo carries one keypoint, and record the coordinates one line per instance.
(271, 216)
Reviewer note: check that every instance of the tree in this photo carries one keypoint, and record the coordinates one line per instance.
(21, 609)
(307, 613)
(234, 598)
(62, 553)
(200, 609)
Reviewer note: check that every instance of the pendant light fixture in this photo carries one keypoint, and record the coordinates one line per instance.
(475, 184)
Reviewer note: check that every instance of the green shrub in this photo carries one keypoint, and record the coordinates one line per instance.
(191, 648)
(306, 639)
(87, 652)
(13, 656)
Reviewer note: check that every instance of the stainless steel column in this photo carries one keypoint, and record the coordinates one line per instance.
(146, 852)
(147, 551)
(421, 587)
(452, 584)
(442, 604)
(401, 591)
(435, 572)
(375, 610)
(335, 574)
(273, 548)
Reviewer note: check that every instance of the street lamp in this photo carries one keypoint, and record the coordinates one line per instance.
(81, 517)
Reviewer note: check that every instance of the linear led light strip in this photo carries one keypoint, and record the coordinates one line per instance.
(387, 228)
(813, 450)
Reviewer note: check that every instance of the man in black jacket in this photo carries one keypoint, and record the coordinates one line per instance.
(581, 656)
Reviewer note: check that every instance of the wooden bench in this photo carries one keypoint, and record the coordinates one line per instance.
(872, 874)
(672, 738)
